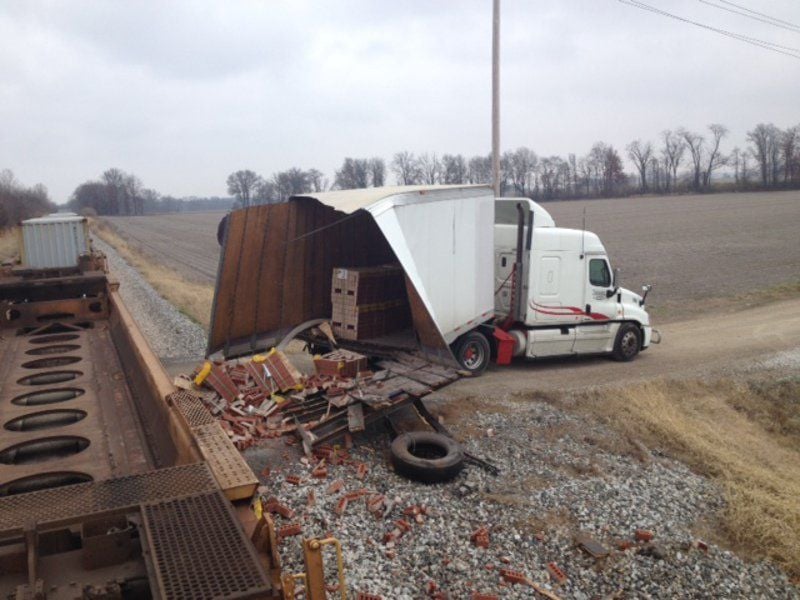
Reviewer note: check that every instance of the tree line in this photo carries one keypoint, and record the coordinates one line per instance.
(18, 202)
(119, 193)
(679, 161)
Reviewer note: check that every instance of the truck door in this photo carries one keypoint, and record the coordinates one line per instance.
(596, 331)
(504, 265)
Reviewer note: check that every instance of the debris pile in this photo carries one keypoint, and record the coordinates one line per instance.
(265, 396)
(546, 528)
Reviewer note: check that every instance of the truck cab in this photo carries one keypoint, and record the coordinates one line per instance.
(556, 291)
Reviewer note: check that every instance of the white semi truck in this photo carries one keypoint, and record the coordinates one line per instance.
(555, 293)
(485, 277)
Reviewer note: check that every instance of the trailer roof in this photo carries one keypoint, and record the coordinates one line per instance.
(349, 201)
(54, 218)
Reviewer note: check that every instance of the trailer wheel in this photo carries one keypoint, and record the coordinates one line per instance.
(628, 343)
(473, 352)
(426, 456)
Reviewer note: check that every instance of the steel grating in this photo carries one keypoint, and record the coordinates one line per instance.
(192, 408)
(72, 502)
(229, 467)
(199, 551)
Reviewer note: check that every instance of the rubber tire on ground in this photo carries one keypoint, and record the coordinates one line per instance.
(478, 342)
(427, 470)
(628, 343)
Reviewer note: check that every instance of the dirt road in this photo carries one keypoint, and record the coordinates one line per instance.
(722, 344)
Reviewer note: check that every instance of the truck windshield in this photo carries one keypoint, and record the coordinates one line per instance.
(599, 274)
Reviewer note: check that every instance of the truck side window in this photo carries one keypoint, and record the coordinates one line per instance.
(598, 273)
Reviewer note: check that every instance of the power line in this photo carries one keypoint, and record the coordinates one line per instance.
(755, 12)
(767, 20)
(785, 50)
(744, 38)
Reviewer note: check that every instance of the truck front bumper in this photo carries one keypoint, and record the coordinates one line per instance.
(651, 336)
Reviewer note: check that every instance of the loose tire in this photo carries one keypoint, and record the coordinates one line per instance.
(426, 456)
(628, 343)
(473, 352)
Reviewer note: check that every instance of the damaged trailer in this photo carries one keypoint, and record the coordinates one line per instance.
(277, 261)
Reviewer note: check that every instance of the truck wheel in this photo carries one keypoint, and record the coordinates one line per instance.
(473, 352)
(426, 456)
(628, 343)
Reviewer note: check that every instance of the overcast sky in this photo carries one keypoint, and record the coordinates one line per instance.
(182, 94)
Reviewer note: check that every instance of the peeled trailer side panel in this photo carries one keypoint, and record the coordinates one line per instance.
(445, 246)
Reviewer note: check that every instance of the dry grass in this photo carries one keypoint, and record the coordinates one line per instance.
(744, 435)
(9, 245)
(192, 299)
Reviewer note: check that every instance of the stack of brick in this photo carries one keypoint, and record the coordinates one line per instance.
(369, 302)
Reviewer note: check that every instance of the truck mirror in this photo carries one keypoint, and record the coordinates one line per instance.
(617, 277)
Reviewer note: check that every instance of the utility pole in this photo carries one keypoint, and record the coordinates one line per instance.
(496, 97)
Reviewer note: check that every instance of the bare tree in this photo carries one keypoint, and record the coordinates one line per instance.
(454, 169)
(522, 165)
(405, 169)
(243, 184)
(291, 182)
(735, 159)
(765, 140)
(377, 172)
(672, 153)
(551, 170)
(572, 188)
(353, 174)
(695, 143)
(316, 180)
(266, 193)
(114, 180)
(430, 167)
(133, 195)
(479, 169)
(640, 153)
(715, 158)
(656, 174)
(788, 143)
(746, 154)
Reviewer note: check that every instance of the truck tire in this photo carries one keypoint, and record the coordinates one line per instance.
(628, 343)
(473, 353)
(426, 456)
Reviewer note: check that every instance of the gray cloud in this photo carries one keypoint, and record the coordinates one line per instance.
(184, 93)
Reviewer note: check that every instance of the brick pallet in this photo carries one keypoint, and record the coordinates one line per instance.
(369, 302)
(369, 285)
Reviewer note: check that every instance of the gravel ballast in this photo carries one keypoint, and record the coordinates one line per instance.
(170, 333)
(561, 475)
